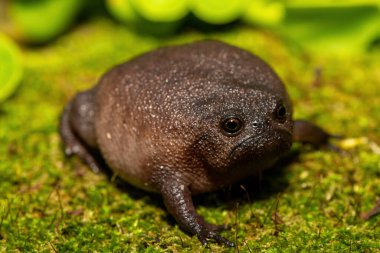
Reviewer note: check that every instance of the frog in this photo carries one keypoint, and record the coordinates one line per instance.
(184, 120)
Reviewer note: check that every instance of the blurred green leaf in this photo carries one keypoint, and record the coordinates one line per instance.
(160, 18)
(39, 21)
(218, 11)
(122, 10)
(340, 29)
(10, 67)
(264, 13)
(161, 11)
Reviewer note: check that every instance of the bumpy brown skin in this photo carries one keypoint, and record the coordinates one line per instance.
(159, 122)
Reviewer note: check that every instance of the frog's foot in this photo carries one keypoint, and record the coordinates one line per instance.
(210, 231)
(73, 145)
(205, 235)
(76, 148)
(309, 133)
(178, 201)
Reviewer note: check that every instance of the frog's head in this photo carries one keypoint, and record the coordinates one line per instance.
(244, 125)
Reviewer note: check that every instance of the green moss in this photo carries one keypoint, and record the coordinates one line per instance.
(49, 203)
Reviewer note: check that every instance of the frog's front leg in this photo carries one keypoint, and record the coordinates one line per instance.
(179, 203)
(309, 133)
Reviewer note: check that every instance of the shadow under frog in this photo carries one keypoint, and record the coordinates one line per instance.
(186, 120)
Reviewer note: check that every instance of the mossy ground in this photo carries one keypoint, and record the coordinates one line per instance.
(52, 204)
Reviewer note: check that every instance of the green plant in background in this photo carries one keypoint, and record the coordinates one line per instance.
(38, 21)
(264, 13)
(342, 27)
(153, 17)
(161, 11)
(10, 67)
(330, 27)
(218, 11)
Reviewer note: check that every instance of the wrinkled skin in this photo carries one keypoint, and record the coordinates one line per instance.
(185, 120)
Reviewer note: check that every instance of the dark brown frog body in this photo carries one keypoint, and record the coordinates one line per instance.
(185, 120)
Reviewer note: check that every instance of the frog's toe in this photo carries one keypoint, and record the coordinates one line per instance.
(211, 235)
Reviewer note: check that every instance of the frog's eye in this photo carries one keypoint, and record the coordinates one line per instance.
(231, 125)
(280, 113)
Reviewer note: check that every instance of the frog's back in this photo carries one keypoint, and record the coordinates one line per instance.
(189, 64)
(155, 88)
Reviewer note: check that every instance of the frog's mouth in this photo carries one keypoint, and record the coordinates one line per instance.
(266, 144)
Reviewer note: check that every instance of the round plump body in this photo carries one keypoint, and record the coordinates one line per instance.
(184, 120)
(164, 108)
